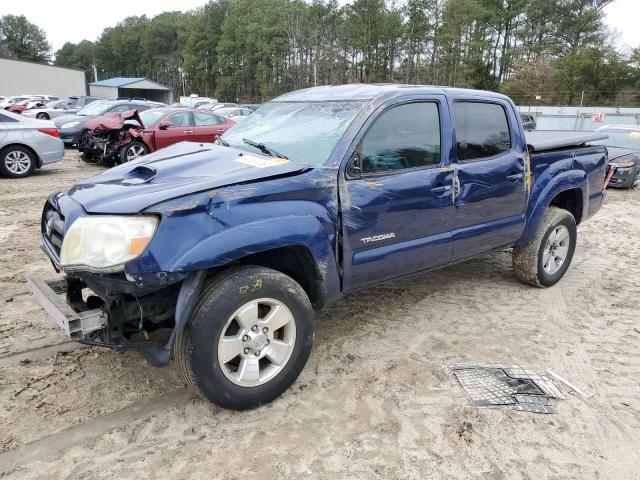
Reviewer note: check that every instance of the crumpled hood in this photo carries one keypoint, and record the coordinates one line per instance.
(175, 171)
(113, 120)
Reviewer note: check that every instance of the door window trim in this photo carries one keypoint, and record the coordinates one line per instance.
(392, 173)
(481, 159)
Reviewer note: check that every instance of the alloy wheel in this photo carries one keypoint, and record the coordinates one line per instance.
(256, 342)
(134, 152)
(17, 162)
(556, 249)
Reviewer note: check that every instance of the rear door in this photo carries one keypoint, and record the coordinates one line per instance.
(491, 190)
(396, 214)
(207, 126)
(181, 129)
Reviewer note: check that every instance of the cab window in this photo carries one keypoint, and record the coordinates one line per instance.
(482, 130)
(402, 138)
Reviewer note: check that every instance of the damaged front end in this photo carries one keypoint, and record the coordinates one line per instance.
(108, 311)
(105, 136)
(111, 308)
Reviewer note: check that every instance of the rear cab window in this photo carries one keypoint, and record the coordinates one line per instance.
(482, 130)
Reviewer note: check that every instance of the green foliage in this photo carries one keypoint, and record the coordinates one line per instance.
(81, 56)
(254, 50)
(23, 40)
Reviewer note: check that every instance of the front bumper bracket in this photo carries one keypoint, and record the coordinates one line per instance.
(77, 325)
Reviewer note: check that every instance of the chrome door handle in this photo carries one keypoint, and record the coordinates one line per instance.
(188, 131)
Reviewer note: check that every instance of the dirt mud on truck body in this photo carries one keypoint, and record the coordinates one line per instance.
(233, 245)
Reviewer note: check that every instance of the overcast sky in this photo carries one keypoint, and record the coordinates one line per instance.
(75, 20)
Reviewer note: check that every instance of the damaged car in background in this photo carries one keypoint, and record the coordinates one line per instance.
(121, 137)
(319, 193)
(623, 146)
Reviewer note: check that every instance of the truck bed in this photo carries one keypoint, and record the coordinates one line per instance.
(541, 140)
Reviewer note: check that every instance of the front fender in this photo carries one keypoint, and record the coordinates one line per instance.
(544, 192)
(234, 243)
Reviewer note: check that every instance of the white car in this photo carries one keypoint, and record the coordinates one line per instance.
(27, 144)
(237, 114)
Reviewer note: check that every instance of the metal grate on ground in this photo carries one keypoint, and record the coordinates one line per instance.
(502, 385)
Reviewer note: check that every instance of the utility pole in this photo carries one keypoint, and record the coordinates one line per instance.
(95, 73)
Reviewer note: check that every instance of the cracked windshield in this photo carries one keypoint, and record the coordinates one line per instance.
(301, 131)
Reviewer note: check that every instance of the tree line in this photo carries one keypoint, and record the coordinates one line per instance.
(537, 51)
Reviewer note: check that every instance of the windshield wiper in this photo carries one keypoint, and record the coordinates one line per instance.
(264, 149)
(222, 142)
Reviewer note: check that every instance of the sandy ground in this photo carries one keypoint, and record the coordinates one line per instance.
(373, 401)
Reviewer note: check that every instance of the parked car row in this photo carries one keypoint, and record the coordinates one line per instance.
(57, 108)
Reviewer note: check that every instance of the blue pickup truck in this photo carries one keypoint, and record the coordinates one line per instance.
(320, 192)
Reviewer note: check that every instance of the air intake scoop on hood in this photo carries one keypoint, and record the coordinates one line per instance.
(140, 174)
(179, 170)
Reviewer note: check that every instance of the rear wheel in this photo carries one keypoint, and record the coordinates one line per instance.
(546, 258)
(133, 150)
(17, 162)
(248, 338)
(43, 116)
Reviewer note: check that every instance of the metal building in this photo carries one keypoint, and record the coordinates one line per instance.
(122, 87)
(19, 78)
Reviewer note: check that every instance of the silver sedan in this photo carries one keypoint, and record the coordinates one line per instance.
(27, 144)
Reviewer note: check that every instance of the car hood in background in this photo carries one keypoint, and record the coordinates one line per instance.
(113, 120)
(178, 170)
(70, 118)
(616, 152)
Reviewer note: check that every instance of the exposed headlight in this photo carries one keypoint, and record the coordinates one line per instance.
(70, 125)
(624, 164)
(626, 161)
(105, 242)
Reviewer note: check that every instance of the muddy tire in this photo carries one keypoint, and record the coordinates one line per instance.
(248, 338)
(16, 162)
(546, 258)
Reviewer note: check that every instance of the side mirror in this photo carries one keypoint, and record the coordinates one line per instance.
(355, 166)
(163, 125)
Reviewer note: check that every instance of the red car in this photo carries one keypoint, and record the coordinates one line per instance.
(123, 136)
(22, 106)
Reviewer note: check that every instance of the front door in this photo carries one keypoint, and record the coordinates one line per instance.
(491, 190)
(396, 209)
(181, 129)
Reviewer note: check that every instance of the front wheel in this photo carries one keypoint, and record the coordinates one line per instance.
(248, 338)
(133, 150)
(43, 116)
(546, 258)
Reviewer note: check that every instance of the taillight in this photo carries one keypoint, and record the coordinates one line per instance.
(50, 131)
